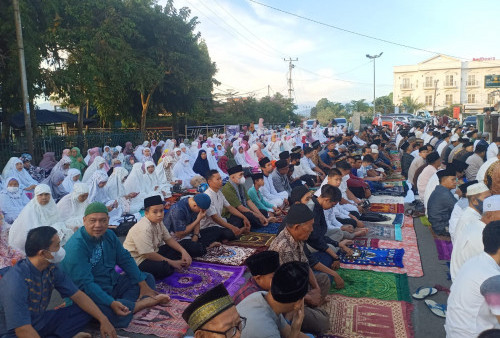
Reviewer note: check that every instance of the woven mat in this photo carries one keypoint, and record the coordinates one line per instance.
(366, 242)
(380, 231)
(411, 259)
(227, 255)
(161, 320)
(368, 317)
(387, 199)
(374, 256)
(372, 284)
(189, 283)
(254, 240)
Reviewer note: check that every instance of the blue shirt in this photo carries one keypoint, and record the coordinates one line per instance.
(325, 157)
(180, 216)
(25, 294)
(91, 262)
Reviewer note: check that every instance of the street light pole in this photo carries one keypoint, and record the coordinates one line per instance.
(373, 57)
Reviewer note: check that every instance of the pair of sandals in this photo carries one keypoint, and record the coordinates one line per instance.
(424, 292)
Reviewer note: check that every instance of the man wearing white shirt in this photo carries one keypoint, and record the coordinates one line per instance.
(468, 242)
(473, 302)
(486, 165)
(359, 142)
(492, 151)
(268, 191)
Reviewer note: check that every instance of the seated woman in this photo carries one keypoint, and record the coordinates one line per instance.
(97, 193)
(12, 200)
(99, 163)
(40, 211)
(153, 185)
(72, 206)
(48, 162)
(54, 181)
(241, 160)
(201, 165)
(135, 186)
(37, 173)
(130, 202)
(77, 161)
(71, 178)
(212, 163)
(182, 171)
(14, 168)
(164, 172)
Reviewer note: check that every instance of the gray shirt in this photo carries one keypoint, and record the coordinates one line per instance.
(262, 321)
(281, 182)
(440, 206)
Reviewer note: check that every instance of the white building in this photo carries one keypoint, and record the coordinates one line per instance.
(442, 81)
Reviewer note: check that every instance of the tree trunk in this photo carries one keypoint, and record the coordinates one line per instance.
(145, 101)
(80, 127)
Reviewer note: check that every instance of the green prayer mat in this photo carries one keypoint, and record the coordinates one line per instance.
(373, 284)
(425, 221)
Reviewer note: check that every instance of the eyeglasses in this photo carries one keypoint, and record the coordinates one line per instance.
(230, 333)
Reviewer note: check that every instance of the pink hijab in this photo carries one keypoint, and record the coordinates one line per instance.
(248, 158)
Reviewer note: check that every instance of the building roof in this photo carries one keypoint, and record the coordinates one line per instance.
(46, 117)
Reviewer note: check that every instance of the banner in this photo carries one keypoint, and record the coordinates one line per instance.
(456, 112)
(492, 81)
(233, 129)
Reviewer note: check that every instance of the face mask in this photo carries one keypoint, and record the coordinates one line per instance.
(310, 205)
(242, 180)
(58, 256)
(12, 189)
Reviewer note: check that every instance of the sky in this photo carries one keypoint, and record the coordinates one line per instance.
(249, 42)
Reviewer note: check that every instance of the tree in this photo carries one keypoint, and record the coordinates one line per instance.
(357, 106)
(384, 104)
(411, 105)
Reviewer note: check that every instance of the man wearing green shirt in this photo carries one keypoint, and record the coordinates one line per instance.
(91, 256)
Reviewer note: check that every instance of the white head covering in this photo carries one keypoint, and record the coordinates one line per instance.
(33, 216)
(183, 171)
(212, 163)
(12, 203)
(93, 168)
(71, 210)
(68, 180)
(23, 176)
(115, 187)
(135, 181)
(97, 194)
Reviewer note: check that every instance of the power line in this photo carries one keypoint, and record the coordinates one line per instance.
(352, 32)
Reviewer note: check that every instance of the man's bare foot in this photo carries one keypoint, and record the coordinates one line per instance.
(147, 302)
(214, 244)
(271, 220)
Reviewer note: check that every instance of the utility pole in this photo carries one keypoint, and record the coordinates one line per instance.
(290, 67)
(373, 57)
(434, 100)
(268, 90)
(24, 81)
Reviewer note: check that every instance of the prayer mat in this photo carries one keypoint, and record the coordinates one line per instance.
(390, 219)
(425, 221)
(160, 320)
(366, 242)
(411, 258)
(408, 221)
(372, 284)
(444, 249)
(368, 317)
(395, 176)
(393, 183)
(387, 208)
(399, 219)
(187, 284)
(374, 256)
(272, 228)
(394, 191)
(227, 255)
(254, 240)
(387, 199)
(381, 231)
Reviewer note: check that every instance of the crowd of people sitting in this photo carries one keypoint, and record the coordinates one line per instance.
(61, 220)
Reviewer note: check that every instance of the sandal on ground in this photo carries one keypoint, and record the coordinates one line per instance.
(437, 309)
(424, 292)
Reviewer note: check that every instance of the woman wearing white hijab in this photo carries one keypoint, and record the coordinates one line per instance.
(15, 168)
(138, 151)
(72, 206)
(98, 164)
(131, 203)
(193, 151)
(40, 211)
(212, 163)
(182, 171)
(153, 186)
(164, 171)
(98, 193)
(70, 179)
(12, 199)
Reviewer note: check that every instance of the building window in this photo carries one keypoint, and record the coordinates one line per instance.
(471, 98)
(406, 83)
(449, 99)
(428, 82)
(428, 100)
(471, 80)
(491, 98)
(449, 80)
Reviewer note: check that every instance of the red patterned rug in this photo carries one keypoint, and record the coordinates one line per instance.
(161, 320)
(388, 208)
(368, 317)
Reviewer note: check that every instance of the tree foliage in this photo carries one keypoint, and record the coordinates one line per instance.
(384, 104)
(411, 105)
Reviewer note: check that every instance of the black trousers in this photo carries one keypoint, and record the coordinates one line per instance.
(238, 222)
(309, 179)
(160, 269)
(347, 221)
(296, 183)
(264, 212)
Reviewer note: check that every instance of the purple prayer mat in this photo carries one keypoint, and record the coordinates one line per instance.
(188, 284)
(444, 249)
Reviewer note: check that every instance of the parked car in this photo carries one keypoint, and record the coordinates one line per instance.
(470, 121)
(340, 121)
(387, 121)
(309, 124)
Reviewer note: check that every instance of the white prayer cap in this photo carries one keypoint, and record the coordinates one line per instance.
(454, 138)
(374, 146)
(491, 203)
(356, 131)
(477, 188)
(374, 151)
